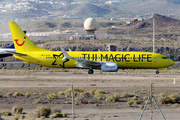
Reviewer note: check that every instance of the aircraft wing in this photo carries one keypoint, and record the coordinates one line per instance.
(81, 63)
(12, 52)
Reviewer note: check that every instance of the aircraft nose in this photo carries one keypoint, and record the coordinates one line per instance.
(171, 62)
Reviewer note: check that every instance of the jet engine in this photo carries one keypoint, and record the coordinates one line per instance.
(109, 67)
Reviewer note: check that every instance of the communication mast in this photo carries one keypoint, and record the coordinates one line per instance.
(154, 33)
(73, 26)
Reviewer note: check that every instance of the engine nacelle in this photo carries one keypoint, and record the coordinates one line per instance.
(109, 67)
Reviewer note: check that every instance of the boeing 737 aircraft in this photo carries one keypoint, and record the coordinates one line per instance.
(105, 61)
(4, 53)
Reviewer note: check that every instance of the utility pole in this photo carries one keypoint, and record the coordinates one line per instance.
(154, 32)
(72, 101)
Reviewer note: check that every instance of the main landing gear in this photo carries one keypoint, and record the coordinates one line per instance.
(90, 71)
(157, 72)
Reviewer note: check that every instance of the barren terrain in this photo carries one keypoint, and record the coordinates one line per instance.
(45, 82)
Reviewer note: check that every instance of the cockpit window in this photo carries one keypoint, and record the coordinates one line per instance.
(165, 58)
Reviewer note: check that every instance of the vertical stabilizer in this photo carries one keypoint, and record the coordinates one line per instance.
(21, 42)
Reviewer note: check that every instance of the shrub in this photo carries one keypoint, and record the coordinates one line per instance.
(16, 117)
(129, 103)
(55, 110)
(116, 95)
(51, 117)
(6, 113)
(173, 98)
(43, 69)
(9, 94)
(22, 116)
(42, 111)
(133, 98)
(76, 103)
(126, 95)
(36, 69)
(37, 101)
(17, 94)
(162, 98)
(3, 68)
(41, 93)
(99, 96)
(67, 102)
(51, 96)
(137, 102)
(176, 104)
(57, 114)
(92, 91)
(64, 115)
(80, 99)
(112, 98)
(17, 109)
(60, 93)
(96, 104)
(145, 97)
(76, 92)
(1, 116)
(136, 91)
(27, 94)
(90, 102)
(33, 118)
(98, 92)
(141, 107)
(43, 117)
(162, 95)
(35, 93)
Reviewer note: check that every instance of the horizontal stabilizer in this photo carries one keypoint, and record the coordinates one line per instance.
(16, 53)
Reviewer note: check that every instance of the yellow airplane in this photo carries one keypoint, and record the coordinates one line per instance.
(26, 51)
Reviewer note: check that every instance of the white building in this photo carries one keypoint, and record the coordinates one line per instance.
(83, 37)
(113, 2)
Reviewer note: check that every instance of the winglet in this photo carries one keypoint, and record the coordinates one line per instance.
(64, 53)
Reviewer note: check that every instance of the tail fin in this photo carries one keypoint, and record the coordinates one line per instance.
(21, 42)
(10, 47)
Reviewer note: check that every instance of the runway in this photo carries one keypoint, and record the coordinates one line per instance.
(89, 75)
(89, 81)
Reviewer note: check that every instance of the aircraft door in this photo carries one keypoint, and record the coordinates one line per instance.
(155, 59)
(38, 57)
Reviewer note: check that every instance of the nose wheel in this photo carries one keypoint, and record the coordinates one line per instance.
(90, 71)
(157, 72)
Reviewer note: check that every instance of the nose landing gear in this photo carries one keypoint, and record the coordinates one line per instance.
(157, 72)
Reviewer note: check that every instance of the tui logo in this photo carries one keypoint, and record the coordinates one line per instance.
(21, 43)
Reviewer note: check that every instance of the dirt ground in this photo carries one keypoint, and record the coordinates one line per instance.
(44, 83)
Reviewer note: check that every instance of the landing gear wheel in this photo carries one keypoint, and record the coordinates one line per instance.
(157, 72)
(90, 71)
